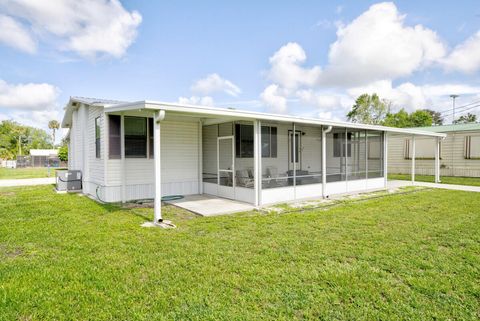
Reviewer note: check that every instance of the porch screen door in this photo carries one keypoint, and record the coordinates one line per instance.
(226, 166)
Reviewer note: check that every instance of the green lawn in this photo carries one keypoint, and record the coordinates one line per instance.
(404, 256)
(472, 181)
(30, 172)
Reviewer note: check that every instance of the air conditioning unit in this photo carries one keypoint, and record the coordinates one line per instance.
(69, 180)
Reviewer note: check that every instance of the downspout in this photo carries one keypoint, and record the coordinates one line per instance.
(324, 159)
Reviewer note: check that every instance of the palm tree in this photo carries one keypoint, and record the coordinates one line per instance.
(53, 125)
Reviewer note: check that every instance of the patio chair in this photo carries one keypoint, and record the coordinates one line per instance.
(244, 178)
(276, 179)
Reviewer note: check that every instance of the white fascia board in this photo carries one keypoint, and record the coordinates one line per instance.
(250, 115)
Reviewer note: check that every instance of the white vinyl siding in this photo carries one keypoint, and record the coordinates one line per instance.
(179, 161)
(452, 162)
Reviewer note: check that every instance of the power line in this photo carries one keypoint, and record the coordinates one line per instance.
(462, 111)
(459, 107)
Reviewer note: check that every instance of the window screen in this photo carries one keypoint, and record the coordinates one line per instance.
(339, 145)
(244, 140)
(150, 137)
(97, 137)
(135, 137)
(114, 149)
(269, 141)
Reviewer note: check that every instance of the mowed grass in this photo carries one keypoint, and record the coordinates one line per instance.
(405, 256)
(28, 172)
(471, 181)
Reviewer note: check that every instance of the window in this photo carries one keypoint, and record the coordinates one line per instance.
(150, 138)
(135, 137)
(244, 141)
(297, 144)
(114, 141)
(269, 141)
(339, 145)
(472, 147)
(97, 137)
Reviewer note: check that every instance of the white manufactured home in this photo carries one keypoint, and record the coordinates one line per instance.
(459, 151)
(140, 150)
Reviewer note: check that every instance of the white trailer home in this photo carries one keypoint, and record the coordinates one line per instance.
(459, 151)
(147, 149)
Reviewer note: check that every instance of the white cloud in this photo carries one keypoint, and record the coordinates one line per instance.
(13, 34)
(274, 98)
(378, 45)
(195, 100)
(29, 96)
(86, 27)
(411, 97)
(322, 101)
(214, 83)
(465, 57)
(286, 69)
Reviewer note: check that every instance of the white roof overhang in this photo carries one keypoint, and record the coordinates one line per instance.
(206, 111)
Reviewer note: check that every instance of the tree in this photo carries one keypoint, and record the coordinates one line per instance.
(437, 118)
(369, 109)
(53, 125)
(63, 153)
(14, 137)
(420, 118)
(400, 119)
(466, 119)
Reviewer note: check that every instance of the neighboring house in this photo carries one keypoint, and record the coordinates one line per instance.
(146, 149)
(459, 152)
(43, 157)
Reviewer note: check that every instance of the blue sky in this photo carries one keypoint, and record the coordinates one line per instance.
(308, 58)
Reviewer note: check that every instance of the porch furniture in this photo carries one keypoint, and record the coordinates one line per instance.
(245, 178)
(274, 178)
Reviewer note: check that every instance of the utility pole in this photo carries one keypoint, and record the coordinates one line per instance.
(453, 102)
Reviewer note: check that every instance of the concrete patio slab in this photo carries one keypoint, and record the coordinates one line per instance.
(208, 205)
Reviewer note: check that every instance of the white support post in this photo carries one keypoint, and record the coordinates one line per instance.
(122, 157)
(385, 158)
(257, 161)
(200, 157)
(437, 160)
(413, 160)
(324, 160)
(157, 210)
(294, 146)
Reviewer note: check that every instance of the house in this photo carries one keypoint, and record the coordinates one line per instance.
(147, 149)
(459, 151)
(43, 157)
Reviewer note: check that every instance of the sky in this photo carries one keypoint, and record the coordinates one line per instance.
(306, 58)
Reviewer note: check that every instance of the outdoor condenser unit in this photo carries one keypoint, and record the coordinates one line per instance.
(69, 181)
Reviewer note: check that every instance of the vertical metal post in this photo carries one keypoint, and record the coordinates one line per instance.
(346, 158)
(257, 161)
(385, 158)
(366, 154)
(324, 159)
(437, 160)
(200, 157)
(122, 153)
(157, 210)
(413, 159)
(294, 146)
